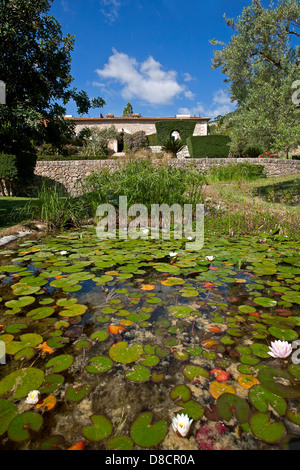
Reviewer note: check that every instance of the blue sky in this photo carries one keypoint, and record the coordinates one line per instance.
(154, 54)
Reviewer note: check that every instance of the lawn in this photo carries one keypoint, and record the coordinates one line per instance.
(9, 210)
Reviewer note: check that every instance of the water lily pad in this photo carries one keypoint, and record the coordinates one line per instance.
(60, 363)
(191, 371)
(40, 312)
(22, 302)
(21, 382)
(148, 435)
(181, 391)
(265, 430)
(280, 382)
(265, 302)
(229, 404)
(26, 340)
(20, 427)
(8, 411)
(77, 392)
(120, 443)
(101, 429)
(99, 364)
(51, 383)
(138, 374)
(125, 354)
(262, 398)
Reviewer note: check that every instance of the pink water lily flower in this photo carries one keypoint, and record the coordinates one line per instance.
(280, 349)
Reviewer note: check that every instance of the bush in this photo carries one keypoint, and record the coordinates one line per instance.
(208, 146)
(173, 146)
(8, 173)
(145, 183)
(236, 172)
(136, 141)
(152, 140)
(253, 152)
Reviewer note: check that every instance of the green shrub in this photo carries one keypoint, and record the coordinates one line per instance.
(253, 152)
(152, 140)
(236, 172)
(172, 146)
(56, 208)
(164, 130)
(208, 146)
(144, 183)
(8, 173)
(136, 141)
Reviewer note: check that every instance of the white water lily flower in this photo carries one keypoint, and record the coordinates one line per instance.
(172, 253)
(145, 231)
(209, 258)
(280, 349)
(63, 252)
(181, 424)
(33, 397)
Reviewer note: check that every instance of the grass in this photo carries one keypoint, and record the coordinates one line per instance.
(10, 208)
(244, 208)
(234, 208)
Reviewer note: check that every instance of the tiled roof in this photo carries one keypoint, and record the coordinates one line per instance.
(141, 118)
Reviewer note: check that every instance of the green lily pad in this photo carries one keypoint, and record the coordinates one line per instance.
(8, 411)
(229, 404)
(21, 382)
(22, 302)
(181, 391)
(120, 443)
(261, 398)
(52, 382)
(138, 374)
(125, 354)
(99, 364)
(265, 302)
(191, 371)
(40, 312)
(101, 429)
(60, 363)
(145, 434)
(191, 408)
(20, 427)
(285, 334)
(279, 381)
(26, 340)
(265, 430)
(77, 393)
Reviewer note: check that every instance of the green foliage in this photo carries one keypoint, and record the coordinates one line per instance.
(236, 172)
(209, 146)
(261, 65)
(128, 110)
(96, 143)
(164, 130)
(173, 146)
(32, 43)
(152, 140)
(253, 152)
(8, 173)
(142, 182)
(55, 208)
(136, 141)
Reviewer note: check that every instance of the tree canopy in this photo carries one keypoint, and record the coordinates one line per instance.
(261, 63)
(36, 68)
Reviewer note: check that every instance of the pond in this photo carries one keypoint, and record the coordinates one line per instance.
(119, 336)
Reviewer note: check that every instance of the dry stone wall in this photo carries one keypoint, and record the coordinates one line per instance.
(70, 173)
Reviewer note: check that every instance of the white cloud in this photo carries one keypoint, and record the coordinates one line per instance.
(220, 105)
(146, 81)
(188, 77)
(110, 9)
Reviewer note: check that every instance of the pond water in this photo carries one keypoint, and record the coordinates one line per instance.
(119, 336)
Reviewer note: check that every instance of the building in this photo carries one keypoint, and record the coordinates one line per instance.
(135, 122)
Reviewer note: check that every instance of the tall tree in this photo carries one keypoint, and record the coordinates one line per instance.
(261, 63)
(128, 110)
(35, 66)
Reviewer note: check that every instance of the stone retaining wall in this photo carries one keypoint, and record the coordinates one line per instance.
(69, 173)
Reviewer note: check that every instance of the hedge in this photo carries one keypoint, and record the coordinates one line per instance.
(8, 167)
(208, 146)
(164, 130)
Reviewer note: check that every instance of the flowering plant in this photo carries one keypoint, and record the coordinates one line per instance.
(268, 155)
